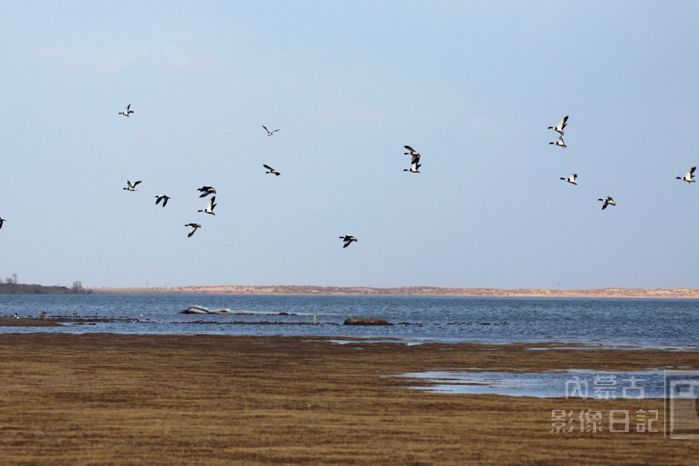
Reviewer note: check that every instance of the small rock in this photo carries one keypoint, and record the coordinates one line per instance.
(366, 321)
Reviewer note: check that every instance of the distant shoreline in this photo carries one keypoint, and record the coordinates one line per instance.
(32, 288)
(643, 293)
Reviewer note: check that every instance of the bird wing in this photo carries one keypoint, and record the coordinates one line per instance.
(409, 148)
(275, 130)
(265, 128)
(128, 107)
(136, 183)
(564, 122)
(691, 171)
(415, 159)
(267, 167)
(158, 199)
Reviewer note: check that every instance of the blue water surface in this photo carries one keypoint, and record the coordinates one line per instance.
(608, 322)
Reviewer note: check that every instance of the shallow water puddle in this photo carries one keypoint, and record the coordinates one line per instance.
(573, 383)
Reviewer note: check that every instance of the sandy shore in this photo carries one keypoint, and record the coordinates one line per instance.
(630, 293)
(102, 398)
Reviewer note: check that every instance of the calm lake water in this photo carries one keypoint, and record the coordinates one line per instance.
(608, 322)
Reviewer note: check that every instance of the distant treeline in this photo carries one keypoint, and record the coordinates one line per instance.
(20, 288)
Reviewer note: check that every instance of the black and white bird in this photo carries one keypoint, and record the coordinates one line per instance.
(270, 133)
(561, 126)
(209, 209)
(559, 142)
(206, 190)
(689, 176)
(348, 239)
(414, 160)
(2, 221)
(127, 111)
(414, 165)
(607, 201)
(271, 170)
(194, 227)
(572, 179)
(163, 198)
(131, 186)
(411, 151)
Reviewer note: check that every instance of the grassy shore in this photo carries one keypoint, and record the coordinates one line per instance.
(104, 399)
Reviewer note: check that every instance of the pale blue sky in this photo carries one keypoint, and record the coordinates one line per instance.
(471, 85)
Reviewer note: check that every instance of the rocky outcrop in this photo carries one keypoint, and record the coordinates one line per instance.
(352, 320)
(205, 310)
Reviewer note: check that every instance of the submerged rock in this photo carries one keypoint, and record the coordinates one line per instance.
(352, 320)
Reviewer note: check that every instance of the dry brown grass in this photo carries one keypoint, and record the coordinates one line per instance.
(104, 399)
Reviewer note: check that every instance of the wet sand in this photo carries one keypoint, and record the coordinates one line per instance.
(27, 322)
(105, 399)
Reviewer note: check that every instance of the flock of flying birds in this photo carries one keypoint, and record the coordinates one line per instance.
(573, 177)
(205, 191)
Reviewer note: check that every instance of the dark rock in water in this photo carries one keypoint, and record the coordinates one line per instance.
(366, 321)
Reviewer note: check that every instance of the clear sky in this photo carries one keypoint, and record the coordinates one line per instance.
(472, 85)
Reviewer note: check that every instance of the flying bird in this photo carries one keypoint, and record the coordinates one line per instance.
(559, 142)
(689, 176)
(607, 201)
(269, 133)
(194, 227)
(2, 221)
(127, 111)
(131, 186)
(206, 190)
(164, 198)
(411, 151)
(209, 209)
(414, 166)
(271, 170)
(561, 126)
(572, 179)
(348, 239)
(414, 160)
